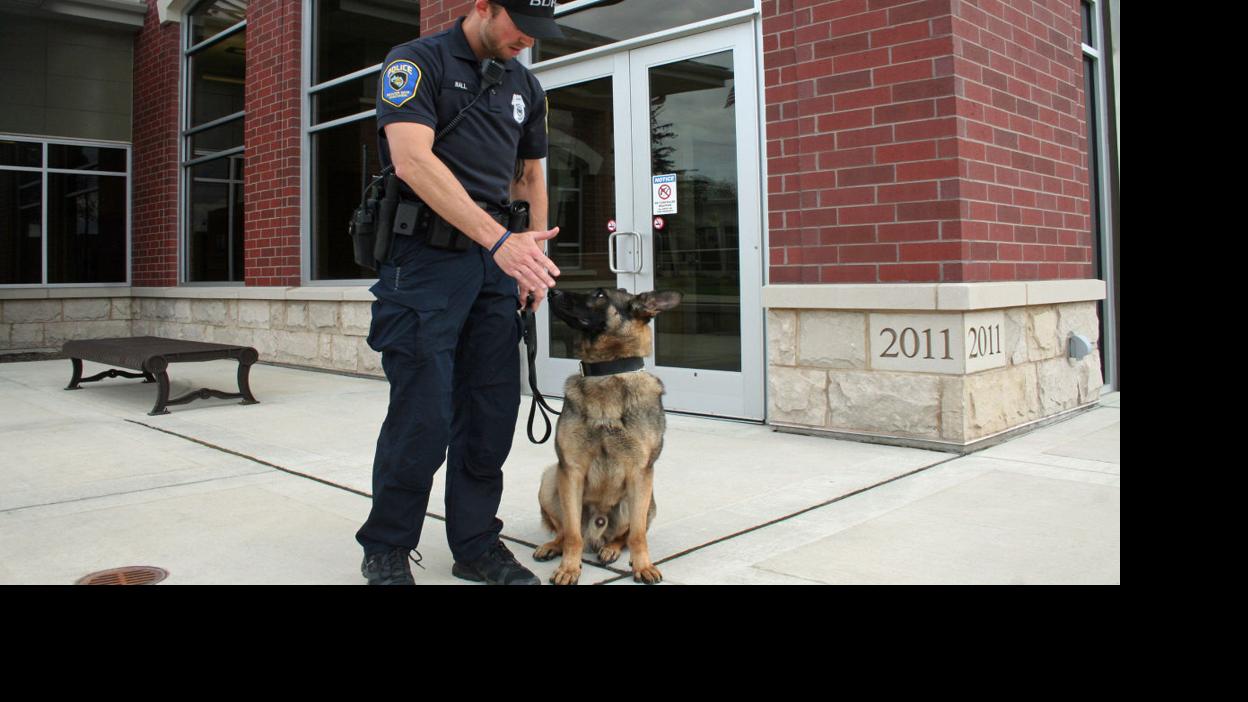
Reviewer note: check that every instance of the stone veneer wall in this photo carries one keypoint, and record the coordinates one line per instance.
(48, 323)
(820, 377)
(319, 333)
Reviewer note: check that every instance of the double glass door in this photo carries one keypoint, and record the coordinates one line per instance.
(654, 182)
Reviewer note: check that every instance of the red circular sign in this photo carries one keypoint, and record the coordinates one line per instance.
(611, 225)
(665, 191)
(659, 223)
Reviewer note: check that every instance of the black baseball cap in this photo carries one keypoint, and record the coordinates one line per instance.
(533, 17)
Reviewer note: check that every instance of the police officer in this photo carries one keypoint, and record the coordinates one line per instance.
(445, 319)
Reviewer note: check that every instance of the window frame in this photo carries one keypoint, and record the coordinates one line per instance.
(308, 131)
(186, 132)
(1105, 235)
(44, 170)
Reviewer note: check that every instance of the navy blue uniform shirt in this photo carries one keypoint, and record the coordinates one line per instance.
(429, 80)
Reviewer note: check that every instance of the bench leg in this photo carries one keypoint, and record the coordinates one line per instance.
(73, 382)
(162, 395)
(244, 385)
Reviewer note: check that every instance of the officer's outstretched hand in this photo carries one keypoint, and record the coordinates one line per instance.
(522, 258)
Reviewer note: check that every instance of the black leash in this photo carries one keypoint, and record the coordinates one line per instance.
(530, 342)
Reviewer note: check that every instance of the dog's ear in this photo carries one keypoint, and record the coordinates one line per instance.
(650, 304)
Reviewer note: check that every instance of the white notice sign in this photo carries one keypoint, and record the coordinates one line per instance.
(664, 194)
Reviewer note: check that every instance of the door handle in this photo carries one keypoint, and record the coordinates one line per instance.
(636, 253)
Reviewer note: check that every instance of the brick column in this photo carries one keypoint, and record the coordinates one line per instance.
(925, 141)
(437, 15)
(154, 174)
(1023, 139)
(271, 174)
(935, 150)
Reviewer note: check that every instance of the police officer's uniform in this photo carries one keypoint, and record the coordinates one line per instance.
(445, 322)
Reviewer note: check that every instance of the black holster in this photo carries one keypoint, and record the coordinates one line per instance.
(370, 227)
(385, 220)
(518, 216)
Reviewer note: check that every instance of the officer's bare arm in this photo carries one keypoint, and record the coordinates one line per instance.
(532, 187)
(411, 150)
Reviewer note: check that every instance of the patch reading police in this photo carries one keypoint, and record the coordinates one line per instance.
(402, 80)
(517, 108)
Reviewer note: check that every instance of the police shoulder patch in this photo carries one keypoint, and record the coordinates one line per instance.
(402, 79)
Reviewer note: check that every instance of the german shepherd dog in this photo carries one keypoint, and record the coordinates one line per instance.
(601, 493)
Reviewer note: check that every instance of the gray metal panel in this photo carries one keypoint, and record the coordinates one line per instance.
(82, 124)
(65, 79)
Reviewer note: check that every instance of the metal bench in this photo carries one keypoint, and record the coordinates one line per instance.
(151, 356)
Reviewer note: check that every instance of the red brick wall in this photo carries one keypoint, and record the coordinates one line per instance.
(1023, 138)
(880, 166)
(437, 15)
(272, 138)
(154, 175)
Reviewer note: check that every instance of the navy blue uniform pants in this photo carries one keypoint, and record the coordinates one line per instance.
(446, 325)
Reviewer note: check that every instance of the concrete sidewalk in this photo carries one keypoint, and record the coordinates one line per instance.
(273, 493)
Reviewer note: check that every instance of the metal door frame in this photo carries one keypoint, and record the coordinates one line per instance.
(728, 394)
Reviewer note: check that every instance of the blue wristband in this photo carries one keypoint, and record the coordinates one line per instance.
(500, 242)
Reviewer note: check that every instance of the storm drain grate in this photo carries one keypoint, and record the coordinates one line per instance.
(130, 575)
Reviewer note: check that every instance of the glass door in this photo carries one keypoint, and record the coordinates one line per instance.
(589, 195)
(674, 206)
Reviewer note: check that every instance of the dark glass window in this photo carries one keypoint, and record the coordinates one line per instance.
(86, 228)
(21, 227)
(21, 153)
(599, 25)
(343, 157)
(86, 158)
(217, 71)
(83, 202)
(215, 242)
(581, 191)
(1089, 37)
(217, 139)
(693, 135)
(355, 34)
(218, 75)
(211, 18)
(348, 36)
(1094, 157)
(345, 99)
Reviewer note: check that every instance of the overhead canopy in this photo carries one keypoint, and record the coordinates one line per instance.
(115, 14)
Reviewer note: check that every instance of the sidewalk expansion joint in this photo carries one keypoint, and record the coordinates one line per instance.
(253, 459)
(351, 490)
(786, 518)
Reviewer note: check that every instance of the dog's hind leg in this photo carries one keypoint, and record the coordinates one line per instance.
(550, 549)
(548, 498)
(611, 552)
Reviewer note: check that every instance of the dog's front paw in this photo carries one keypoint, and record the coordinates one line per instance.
(648, 575)
(547, 552)
(609, 554)
(566, 575)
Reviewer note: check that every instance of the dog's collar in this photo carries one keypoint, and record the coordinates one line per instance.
(623, 365)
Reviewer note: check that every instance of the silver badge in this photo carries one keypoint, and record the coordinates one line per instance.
(517, 108)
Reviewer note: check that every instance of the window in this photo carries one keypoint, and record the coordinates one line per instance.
(1102, 177)
(349, 40)
(64, 216)
(212, 162)
(590, 25)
